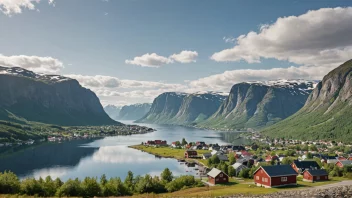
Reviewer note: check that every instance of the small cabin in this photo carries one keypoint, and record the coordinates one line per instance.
(315, 175)
(216, 176)
(275, 176)
(191, 154)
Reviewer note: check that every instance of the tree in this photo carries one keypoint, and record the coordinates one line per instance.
(231, 171)
(313, 148)
(9, 183)
(49, 187)
(103, 180)
(115, 187)
(244, 173)
(184, 142)
(90, 187)
(30, 186)
(215, 159)
(71, 188)
(58, 183)
(178, 143)
(309, 156)
(287, 160)
(129, 181)
(290, 153)
(166, 175)
(232, 159)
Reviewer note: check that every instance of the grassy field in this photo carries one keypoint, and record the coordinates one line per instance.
(165, 151)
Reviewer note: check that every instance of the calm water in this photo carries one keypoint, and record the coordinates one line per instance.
(110, 155)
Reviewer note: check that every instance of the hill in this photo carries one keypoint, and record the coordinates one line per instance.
(326, 113)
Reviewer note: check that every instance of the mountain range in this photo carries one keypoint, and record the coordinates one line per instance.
(326, 113)
(128, 112)
(182, 108)
(50, 99)
(259, 104)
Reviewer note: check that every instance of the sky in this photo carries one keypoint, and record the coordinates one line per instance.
(130, 51)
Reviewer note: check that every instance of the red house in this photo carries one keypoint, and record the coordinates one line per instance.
(300, 166)
(275, 176)
(216, 176)
(191, 154)
(315, 175)
(270, 158)
(343, 163)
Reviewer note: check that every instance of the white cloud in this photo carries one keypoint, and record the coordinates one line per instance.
(229, 39)
(155, 60)
(185, 56)
(34, 63)
(316, 38)
(10, 7)
(149, 60)
(97, 81)
(224, 81)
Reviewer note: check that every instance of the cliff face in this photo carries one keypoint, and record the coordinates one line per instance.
(49, 99)
(326, 113)
(259, 104)
(164, 108)
(134, 112)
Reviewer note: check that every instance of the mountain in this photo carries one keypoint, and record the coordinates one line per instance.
(182, 108)
(134, 112)
(50, 99)
(259, 104)
(327, 112)
(113, 111)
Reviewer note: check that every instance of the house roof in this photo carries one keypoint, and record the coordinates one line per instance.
(237, 165)
(306, 164)
(278, 170)
(215, 172)
(318, 172)
(190, 151)
(207, 154)
(223, 158)
(346, 162)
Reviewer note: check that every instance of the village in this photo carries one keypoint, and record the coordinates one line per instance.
(81, 132)
(266, 162)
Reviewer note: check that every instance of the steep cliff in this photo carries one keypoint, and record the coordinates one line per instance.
(259, 104)
(326, 113)
(48, 99)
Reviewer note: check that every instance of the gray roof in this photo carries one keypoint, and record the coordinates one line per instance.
(237, 165)
(223, 158)
(346, 162)
(215, 172)
(278, 170)
(319, 172)
(306, 164)
(207, 154)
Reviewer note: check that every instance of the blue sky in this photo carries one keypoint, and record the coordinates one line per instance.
(90, 40)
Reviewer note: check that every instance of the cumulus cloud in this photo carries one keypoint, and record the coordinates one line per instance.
(34, 63)
(316, 38)
(97, 81)
(155, 60)
(149, 60)
(10, 7)
(185, 56)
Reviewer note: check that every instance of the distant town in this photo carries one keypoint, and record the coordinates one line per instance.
(82, 132)
(268, 162)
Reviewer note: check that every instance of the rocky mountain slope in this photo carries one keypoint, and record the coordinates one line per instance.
(48, 99)
(259, 104)
(182, 108)
(113, 111)
(326, 113)
(134, 112)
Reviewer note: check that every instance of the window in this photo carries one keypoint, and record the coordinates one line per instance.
(318, 177)
(221, 175)
(266, 179)
(257, 177)
(224, 179)
(284, 179)
(263, 179)
(216, 179)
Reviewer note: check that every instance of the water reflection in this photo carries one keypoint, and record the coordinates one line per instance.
(109, 156)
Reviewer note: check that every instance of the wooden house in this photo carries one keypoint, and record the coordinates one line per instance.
(300, 166)
(342, 163)
(191, 154)
(275, 176)
(315, 175)
(216, 176)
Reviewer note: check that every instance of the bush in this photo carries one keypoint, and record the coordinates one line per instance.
(71, 188)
